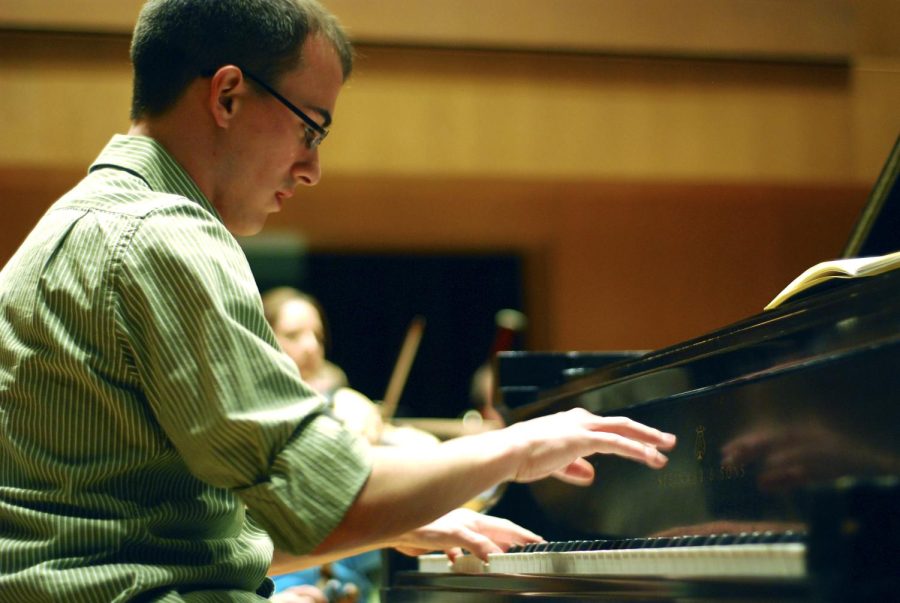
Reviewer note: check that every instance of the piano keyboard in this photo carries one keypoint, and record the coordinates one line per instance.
(735, 555)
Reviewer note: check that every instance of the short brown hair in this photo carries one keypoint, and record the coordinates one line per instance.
(177, 41)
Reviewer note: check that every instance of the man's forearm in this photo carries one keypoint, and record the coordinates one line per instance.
(410, 487)
(286, 563)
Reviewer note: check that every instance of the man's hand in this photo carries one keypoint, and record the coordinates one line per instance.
(465, 529)
(552, 442)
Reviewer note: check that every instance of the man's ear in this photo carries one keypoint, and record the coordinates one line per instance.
(226, 93)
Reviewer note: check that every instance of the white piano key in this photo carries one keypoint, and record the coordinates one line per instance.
(732, 560)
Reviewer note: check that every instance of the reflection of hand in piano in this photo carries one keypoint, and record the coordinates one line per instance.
(731, 526)
(793, 455)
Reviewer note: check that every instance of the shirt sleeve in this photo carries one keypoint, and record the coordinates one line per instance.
(228, 399)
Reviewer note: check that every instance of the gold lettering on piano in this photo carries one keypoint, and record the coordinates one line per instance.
(700, 443)
(702, 475)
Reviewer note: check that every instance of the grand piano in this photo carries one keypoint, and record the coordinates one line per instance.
(785, 485)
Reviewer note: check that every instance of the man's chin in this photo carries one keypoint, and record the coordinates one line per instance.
(245, 229)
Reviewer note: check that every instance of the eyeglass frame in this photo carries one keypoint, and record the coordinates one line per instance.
(314, 134)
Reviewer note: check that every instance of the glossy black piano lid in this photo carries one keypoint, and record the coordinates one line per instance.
(840, 316)
(877, 231)
(787, 421)
(764, 409)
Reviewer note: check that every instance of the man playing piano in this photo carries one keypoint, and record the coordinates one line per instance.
(155, 440)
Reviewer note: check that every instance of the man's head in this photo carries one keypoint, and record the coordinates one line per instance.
(240, 92)
(177, 41)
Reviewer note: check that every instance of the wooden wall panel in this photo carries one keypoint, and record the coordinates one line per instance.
(810, 29)
(476, 113)
(651, 198)
(806, 29)
(63, 96)
(609, 265)
(572, 116)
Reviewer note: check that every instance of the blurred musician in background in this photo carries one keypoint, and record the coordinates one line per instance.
(300, 324)
(157, 444)
(301, 328)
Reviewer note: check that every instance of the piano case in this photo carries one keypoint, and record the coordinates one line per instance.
(788, 423)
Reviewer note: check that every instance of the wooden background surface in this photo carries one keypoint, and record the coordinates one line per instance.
(660, 173)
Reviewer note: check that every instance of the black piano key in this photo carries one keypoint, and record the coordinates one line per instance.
(725, 539)
(711, 539)
(695, 540)
(790, 537)
(742, 538)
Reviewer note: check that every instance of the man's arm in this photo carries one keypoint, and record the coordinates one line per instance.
(459, 529)
(409, 488)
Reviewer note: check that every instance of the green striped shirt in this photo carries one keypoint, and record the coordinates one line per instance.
(154, 440)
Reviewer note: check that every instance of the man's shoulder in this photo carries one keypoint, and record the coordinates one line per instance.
(124, 194)
(141, 224)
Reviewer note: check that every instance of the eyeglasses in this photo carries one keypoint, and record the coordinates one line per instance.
(313, 133)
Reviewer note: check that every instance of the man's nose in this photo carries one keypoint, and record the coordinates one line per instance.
(308, 172)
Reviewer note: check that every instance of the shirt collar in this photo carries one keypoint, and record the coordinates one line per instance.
(152, 163)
